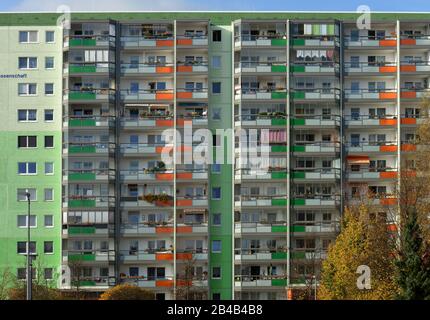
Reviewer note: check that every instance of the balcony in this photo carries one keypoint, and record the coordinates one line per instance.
(316, 121)
(184, 94)
(88, 148)
(81, 122)
(316, 147)
(167, 175)
(316, 174)
(314, 67)
(263, 119)
(89, 283)
(254, 255)
(381, 121)
(372, 95)
(162, 282)
(147, 149)
(148, 95)
(141, 69)
(161, 41)
(318, 200)
(87, 230)
(372, 147)
(261, 94)
(414, 93)
(372, 174)
(415, 40)
(163, 228)
(260, 67)
(308, 254)
(102, 175)
(315, 41)
(385, 200)
(414, 67)
(261, 174)
(191, 68)
(88, 256)
(89, 68)
(408, 146)
(81, 201)
(260, 281)
(315, 227)
(261, 201)
(261, 228)
(412, 119)
(151, 121)
(269, 40)
(386, 42)
(373, 68)
(89, 41)
(86, 95)
(190, 41)
(315, 94)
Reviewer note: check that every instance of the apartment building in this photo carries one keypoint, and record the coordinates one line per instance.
(337, 107)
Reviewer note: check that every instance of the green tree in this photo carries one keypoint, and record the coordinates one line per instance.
(127, 292)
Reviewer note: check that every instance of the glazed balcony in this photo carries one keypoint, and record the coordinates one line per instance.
(261, 94)
(371, 68)
(191, 68)
(376, 174)
(142, 69)
(261, 200)
(88, 122)
(415, 41)
(389, 147)
(148, 95)
(87, 41)
(315, 41)
(314, 67)
(260, 282)
(387, 42)
(255, 255)
(371, 95)
(315, 94)
(316, 174)
(87, 95)
(185, 94)
(260, 67)
(87, 202)
(316, 121)
(315, 200)
(374, 121)
(91, 175)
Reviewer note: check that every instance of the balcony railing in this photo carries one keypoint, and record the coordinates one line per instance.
(414, 93)
(89, 94)
(149, 68)
(316, 120)
(100, 40)
(89, 67)
(371, 120)
(261, 66)
(316, 173)
(89, 174)
(415, 40)
(192, 40)
(387, 41)
(186, 93)
(373, 173)
(88, 121)
(192, 67)
(414, 66)
(148, 94)
(316, 40)
(85, 201)
(316, 146)
(261, 94)
(89, 147)
(315, 93)
(372, 94)
(255, 251)
(261, 40)
(377, 146)
(91, 255)
(301, 66)
(151, 41)
(371, 67)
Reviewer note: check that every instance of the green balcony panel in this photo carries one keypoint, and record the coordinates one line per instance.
(82, 230)
(87, 283)
(82, 149)
(279, 282)
(297, 68)
(279, 95)
(299, 175)
(279, 255)
(298, 42)
(279, 69)
(298, 122)
(82, 203)
(279, 175)
(279, 202)
(82, 96)
(82, 69)
(279, 122)
(330, 29)
(279, 229)
(82, 42)
(82, 257)
(279, 149)
(298, 255)
(299, 95)
(279, 42)
(298, 228)
(298, 149)
(82, 123)
(299, 202)
(316, 29)
(87, 176)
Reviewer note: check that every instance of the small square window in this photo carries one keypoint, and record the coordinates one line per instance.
(49, 88)
(49, 63)
(22, 194)
(216, 246)
(216, 168)
(49, 167)
(50, 36)
(216, 219)
(49, 115)
(21, 273)
(216, 296)
(49, 194)
(216, 87)
(216, 193)
(22, 247)
(216, 273)
(48, 247)
(49, 141)
(216, 114)
(216, 35)
(22, 221)
(216, 62)
(49, 221)
(48, 273)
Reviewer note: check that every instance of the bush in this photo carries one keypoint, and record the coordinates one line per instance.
(127, 292)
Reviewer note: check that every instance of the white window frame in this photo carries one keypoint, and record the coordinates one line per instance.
(44, 195)
(44, 221)
(28, 63)
(27, 111)
(27, 94)
(53, 168)
(26, 221)
(26, 169)
(28, 36)
(25, 198)
(46, 38)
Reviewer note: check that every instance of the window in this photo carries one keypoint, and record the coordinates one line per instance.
(49, 194)
(22, 221)
(48, 221)
(49, 115)
(49, 88)
(216, 193)
(49, 63)
(21, 273)
(216, 35)
(216, 296)
(48, 247)
(50, 36)
(216, 168)
(27, 168)
(27, 115)
(28, 36)
(27, 89)
(216, 114)
(22, 247)
(22, 194)
(216, 246)
(49, 141)
(48, 273)
(49, 168)
(216, 87)
(216, 62)
(216, 219)
(216, 273)
(27, 63)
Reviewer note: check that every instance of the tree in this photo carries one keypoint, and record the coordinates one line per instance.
(6, 280)
(127, 292)
(364, 240)
(185, 287)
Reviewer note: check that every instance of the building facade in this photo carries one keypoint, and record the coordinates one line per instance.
(335, 105)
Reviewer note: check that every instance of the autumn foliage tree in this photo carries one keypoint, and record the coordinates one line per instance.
(127, 292)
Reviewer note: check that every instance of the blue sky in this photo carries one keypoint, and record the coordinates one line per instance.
(220, 5)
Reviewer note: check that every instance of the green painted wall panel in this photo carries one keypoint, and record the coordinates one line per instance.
(279, 122)
(82, 230)
(279, 175)
(82, 122)
(279, 255)
(279, 95)
(277, 229)
(298, 202)
(82, 203)
(279, 42)
(279, 202)
(299, 175)
(87, 176)
(82, 69)
(279, 68)
(298, 148)
(298, 122)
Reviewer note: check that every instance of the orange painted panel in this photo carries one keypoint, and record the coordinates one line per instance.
(163, 149)
(164, 256)
(184, 203)
(184, 256)
(184, 229)
(387, 69)
(408, 42)
(410, 173)
(164, 176)
(387, 43)
(185, 42)
(408, 94)
(408, 121)
(164, 43)
(164, 230)
(185, 68)
(164, 96)
(388, 175)
(185, 95)
(388, 201)
(408, 68)
(392, 227)
(387, 122)
(387, 95)
(409, 147)
(164, 283)
(164, 69)
(164, 123)
(388, 148)
(184, 175)
(184, 283)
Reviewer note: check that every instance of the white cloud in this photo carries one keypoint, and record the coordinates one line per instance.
(110, 5)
